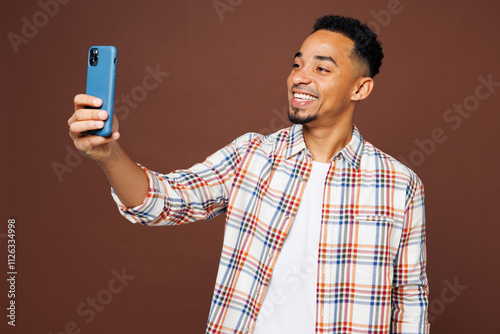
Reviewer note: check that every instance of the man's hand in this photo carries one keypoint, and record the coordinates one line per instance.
(128, 180)
(98, 148)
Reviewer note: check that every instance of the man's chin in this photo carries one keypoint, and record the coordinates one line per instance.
(295, 118)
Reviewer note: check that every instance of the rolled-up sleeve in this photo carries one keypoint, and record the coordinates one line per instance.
(198, 193)
(152, 206)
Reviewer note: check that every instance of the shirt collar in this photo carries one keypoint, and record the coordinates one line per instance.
(352, 152)
(296, 141)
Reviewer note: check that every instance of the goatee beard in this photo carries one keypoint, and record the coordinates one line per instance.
(300, 120)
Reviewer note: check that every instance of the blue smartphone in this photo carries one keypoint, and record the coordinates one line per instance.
(101, 72)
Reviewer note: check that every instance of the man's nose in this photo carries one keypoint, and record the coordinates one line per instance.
(301, 76)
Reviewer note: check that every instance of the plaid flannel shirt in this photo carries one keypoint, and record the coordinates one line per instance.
(372, 254)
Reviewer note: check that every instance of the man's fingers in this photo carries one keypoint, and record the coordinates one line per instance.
(84, 119)
(90, 114)
(87, 114)
(114, 135)
(81, 126)
(87, 143)
(83, 100)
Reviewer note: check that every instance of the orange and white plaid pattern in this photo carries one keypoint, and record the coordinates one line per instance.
(372, 255)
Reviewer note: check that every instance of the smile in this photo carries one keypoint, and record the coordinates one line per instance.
(304, 97)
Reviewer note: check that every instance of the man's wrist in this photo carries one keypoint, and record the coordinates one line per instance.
(114, 155)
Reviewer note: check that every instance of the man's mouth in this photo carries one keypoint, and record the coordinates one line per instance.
(302, 100)
(301, 97)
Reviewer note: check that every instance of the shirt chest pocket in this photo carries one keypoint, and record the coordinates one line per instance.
(376, 238)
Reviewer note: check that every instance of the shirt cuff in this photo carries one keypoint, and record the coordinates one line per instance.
(152, 206)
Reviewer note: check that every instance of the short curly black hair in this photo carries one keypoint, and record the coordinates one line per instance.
(366, 46)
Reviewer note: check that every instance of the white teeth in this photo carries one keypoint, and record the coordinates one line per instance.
(304, 97)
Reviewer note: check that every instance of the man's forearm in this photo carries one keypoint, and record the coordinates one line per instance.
(128, 180)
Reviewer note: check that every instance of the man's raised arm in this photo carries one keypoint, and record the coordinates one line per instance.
(128, 180)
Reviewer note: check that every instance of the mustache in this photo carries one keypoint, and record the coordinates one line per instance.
(305, 89)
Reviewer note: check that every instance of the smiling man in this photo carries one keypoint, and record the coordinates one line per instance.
(324, 232)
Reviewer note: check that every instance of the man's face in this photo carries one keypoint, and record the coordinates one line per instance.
(323, 79)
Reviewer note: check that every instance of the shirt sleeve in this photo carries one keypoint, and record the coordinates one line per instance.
(410, 291)
(198, 193)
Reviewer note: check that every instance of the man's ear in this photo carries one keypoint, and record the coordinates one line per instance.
(363, 89)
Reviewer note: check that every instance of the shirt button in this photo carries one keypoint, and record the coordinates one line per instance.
(271, 255)
(287, 217)
(247, 330)
(301, 179)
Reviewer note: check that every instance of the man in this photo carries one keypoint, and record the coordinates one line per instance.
(324, 232)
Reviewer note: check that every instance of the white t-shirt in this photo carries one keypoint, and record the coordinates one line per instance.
(289, 305)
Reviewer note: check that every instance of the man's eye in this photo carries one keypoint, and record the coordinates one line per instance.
(295, 65)
(322, 69)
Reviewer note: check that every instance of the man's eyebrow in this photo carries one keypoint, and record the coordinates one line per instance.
(327, 58)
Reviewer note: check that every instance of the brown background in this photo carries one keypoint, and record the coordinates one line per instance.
(227, 77)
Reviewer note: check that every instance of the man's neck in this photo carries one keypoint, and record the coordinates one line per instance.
(325, 142)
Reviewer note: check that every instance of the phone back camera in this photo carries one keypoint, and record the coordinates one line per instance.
(93, 57)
